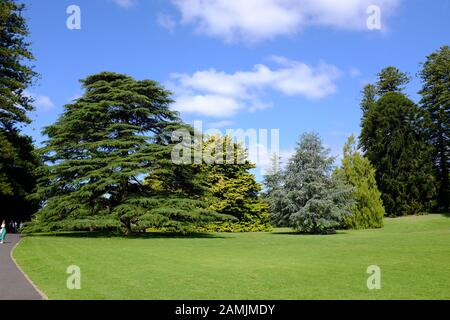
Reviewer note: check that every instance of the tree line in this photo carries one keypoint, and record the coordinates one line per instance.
(106, 163)
(399, 167)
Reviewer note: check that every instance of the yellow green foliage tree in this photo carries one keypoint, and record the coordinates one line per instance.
(357, 171)
(234, 190)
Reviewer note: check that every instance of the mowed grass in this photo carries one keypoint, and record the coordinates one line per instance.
(413, 254)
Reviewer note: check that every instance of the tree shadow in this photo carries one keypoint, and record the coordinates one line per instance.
(293, 233)
(146, 235)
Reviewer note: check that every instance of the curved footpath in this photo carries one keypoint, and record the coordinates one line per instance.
(13, 283)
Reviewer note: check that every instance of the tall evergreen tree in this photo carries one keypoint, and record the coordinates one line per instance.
(357, 171)
(435, 101)
(391, 79)
(369, 97)
(311, 200)
(15, 73)
(98, 153)
(7, 155)
(393, 141)
(17, 161)
(17, 179)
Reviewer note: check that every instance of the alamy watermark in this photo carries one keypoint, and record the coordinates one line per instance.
(373, 22)
(73, 21)
(256, 145)
(74, 279)
(374, 280)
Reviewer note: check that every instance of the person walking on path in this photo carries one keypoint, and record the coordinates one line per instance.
(2, 232)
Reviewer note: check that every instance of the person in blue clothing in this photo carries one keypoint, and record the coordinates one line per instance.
(2, 232)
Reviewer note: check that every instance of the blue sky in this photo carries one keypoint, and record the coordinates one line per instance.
(293, 65)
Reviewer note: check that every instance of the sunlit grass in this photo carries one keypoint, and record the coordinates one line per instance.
(413, 254)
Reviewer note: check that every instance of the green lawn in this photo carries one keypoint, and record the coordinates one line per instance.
(413, 254)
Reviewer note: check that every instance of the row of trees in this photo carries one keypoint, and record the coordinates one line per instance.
(312, 196)
(108, 165)
(107, 161)
(402, 167)
(409, 144)
(305, 195)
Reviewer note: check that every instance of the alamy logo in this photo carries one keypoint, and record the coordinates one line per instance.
(374, 280)
(74, 20)
(374, 19)
(257, 145)
(74, 278)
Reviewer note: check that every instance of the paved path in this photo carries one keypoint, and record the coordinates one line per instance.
(13, 284)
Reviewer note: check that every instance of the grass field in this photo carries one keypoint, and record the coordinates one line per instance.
(413, 254)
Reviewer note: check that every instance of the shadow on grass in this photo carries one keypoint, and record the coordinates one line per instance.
(293, 233)
(147, 235)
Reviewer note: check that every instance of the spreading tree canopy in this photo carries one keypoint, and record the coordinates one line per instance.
(100, 151)
(435, 101)
(310, 199)
(357, 171)
(393, 141)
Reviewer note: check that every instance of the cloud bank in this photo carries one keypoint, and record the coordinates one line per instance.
(221, 94)
(257, 20)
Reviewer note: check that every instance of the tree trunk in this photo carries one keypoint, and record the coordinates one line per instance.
(128, 230)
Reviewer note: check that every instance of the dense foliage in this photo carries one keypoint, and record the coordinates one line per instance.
(15, 74)
(357, 171)
(393, 141)
(436, 103)
(17, 161)
(310, 199)
(233, 188)
(100, 150)
(391, 79)
(107, 161)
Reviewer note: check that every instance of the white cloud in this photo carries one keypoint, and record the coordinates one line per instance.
(208, 105)
(220, 94)
(166, 21)
(220, 124)
(43, 103)
(256, 20)
(125, 3)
